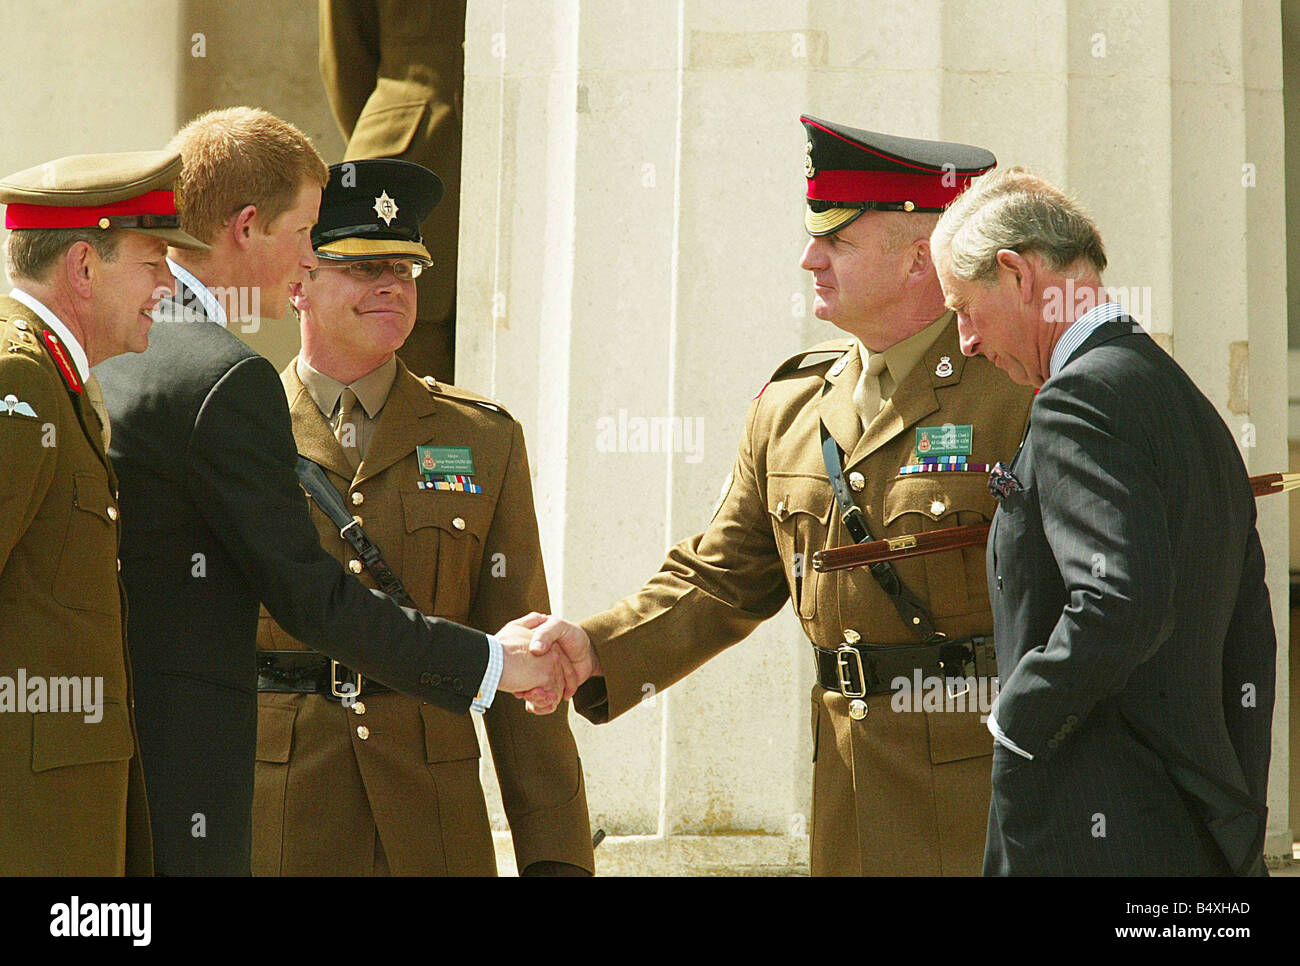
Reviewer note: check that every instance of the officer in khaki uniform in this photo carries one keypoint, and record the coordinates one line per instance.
(376, 782)
(910, 425)
(87, 259)
(394, 71)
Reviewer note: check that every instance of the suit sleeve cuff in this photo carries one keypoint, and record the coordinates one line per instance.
(1002, 739)
(487, 689)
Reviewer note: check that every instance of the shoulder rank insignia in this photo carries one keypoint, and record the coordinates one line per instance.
(13, 406)
(60, 354)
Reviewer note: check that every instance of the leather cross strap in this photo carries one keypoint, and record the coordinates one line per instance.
(909, 607)
(317, 484)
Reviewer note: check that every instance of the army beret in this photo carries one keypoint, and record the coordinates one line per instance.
(131, 190)
(850, 171)
(373, 209)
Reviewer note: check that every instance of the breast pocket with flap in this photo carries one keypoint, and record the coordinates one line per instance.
(922, 502)
(443, 547)
(800, 508)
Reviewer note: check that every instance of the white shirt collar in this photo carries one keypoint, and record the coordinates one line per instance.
(211, 306)
(49, 318)
(1077, 334)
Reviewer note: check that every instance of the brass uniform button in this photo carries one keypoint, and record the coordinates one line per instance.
(857, 709)
(358, 499)
(857, 481)
(358, 708)
(112, 513)
(938, 507)
(458, 523)
(354, 566)
(363, 732)
(431, 382)
(20, 324)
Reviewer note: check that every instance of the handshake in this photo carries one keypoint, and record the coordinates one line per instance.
(546, 660)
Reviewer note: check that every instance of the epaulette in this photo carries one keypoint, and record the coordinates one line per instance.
(805, 358)
(446, 390)
(18, 335)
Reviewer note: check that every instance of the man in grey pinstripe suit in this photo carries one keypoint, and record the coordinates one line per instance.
(1133, 627)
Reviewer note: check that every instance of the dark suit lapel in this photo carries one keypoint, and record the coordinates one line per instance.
(315, 439)
(915, 398)
(404, 424)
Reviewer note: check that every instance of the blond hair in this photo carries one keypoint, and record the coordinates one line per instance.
(1022, 212)
(241, 156)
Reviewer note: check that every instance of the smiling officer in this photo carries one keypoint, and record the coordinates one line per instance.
(87, 255)
(353, 779)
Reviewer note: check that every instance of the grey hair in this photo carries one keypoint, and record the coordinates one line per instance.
(1020, 211)
(30, 253)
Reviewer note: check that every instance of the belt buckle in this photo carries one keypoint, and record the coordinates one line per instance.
(336, 684)
(842, 665)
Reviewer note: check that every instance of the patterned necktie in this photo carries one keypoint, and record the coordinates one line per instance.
(347, 431)
(867, 394)
(95, 396)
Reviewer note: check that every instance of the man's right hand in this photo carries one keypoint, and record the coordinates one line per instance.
(579, 661)
(528, 671)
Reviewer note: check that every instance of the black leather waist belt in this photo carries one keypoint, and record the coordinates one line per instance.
(861, 670)
(308, 672)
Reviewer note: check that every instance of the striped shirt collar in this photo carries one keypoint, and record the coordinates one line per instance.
(49, 318)
(211, 307)
(1077, 334)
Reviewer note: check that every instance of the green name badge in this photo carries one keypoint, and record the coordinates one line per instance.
(946, 440)
(447, 459)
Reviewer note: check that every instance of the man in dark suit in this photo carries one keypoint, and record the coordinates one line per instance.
(204, 448)
(1135, 640)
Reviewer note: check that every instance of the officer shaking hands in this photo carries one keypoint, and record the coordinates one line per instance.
(885, 431)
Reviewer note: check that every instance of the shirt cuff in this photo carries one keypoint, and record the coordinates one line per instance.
(487, 689)
(1002, 739)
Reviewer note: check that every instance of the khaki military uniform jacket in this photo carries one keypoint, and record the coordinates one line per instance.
(330, 779)
(72, 797)
(898, 792)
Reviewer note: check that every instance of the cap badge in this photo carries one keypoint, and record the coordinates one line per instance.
(944, 369)
(808, 169)
(386, 207)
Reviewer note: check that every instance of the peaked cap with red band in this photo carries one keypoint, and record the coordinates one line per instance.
(850, 171)
(131, 191)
